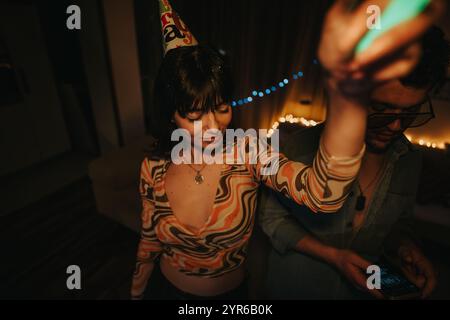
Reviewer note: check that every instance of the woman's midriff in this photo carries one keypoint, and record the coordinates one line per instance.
(202, 286)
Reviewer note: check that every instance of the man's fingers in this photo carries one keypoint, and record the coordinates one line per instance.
(398, 67)
(390, 42)
(360, 262)
(344, 6)
(415, 278)
(400, 36)
(397, 70)
(404, 250)
(354, 15)
(407, 258)
(420, 281)
(360, 280)
(356, 26)
(429, 287)
(377, 294)
(429, 276)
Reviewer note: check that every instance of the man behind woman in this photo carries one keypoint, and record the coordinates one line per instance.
(197, 219)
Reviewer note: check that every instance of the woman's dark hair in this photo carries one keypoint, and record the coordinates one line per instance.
(431, 71)
(189, 78)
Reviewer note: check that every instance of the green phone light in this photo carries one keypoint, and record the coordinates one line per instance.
(396, 12)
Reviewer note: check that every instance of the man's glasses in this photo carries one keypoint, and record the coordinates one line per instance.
(411, 117)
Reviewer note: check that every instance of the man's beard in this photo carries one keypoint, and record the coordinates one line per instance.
(372, 148)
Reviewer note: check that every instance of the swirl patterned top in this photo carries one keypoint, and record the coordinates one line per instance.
(220, 246)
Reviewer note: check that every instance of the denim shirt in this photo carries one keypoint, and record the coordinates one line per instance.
(388, 218)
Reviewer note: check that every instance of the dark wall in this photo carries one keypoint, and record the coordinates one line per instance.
(266, 41)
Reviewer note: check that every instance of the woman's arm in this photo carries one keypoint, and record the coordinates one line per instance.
(350, 79)
(351, 76)
(149, 245)
(345, 126)
(140, 278)
(322, 186)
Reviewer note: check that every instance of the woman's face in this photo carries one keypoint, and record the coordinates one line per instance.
(218, 119)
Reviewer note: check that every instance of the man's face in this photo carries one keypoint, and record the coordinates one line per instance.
(392, 97)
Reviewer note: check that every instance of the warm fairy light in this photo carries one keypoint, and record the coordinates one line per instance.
(291, 119)
(426, 143)
(311, 123)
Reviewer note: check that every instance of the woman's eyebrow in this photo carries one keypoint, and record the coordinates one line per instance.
(219, 104)
(196, 109)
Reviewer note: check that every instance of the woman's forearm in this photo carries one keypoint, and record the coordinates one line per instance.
(140, 279)
(345, 126)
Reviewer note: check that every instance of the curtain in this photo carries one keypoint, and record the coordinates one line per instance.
(267, 42)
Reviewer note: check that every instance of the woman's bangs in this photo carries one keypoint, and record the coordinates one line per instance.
(201, 100)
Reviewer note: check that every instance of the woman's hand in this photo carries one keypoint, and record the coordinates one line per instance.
(392, 55)
(352, 77)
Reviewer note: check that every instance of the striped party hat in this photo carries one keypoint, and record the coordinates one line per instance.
(175, 33)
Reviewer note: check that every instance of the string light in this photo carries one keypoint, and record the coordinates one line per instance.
(289, 118)
(429, 144)
(311, 123)
(261, 93)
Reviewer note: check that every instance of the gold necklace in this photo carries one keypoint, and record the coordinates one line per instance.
(198, 176)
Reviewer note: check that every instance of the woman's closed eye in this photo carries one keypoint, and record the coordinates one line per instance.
(194, 115)
(197, 115)
(223, 108)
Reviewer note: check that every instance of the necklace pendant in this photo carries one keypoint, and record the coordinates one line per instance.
(360, 203)
(199, 178)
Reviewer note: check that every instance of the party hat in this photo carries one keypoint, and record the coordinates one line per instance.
(175, 32)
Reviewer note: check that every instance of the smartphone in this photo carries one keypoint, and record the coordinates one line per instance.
(395, 286)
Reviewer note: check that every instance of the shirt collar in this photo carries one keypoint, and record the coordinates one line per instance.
(399, 148)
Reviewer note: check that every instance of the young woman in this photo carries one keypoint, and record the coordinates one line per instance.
(197, 219)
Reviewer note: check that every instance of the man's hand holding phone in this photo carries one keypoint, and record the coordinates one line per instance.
(354, 268)
(417, 269)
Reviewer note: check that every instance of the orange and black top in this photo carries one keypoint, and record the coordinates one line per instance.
(220, 245)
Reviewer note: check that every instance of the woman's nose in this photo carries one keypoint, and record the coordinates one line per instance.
(210, 121)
